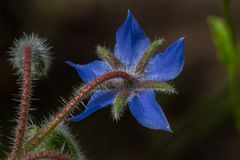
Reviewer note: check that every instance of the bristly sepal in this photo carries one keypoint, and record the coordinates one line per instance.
(152, 50)
(107, 55)
(157, 86)
(41, 55)
(119, 103)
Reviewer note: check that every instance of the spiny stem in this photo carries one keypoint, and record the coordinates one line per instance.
(67, 109)
(46, 154)
(25, 102)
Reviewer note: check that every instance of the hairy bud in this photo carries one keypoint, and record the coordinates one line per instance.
(41, 56)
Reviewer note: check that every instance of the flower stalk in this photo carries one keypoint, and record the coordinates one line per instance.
(25, 101)
(68, 108)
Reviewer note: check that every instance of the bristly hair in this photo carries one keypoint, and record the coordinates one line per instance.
(41, 55)
(60, 139)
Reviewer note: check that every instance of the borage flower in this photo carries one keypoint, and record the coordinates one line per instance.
(139, 57)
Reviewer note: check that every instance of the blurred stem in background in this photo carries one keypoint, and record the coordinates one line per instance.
(227, 49)
(205, 117)
(233, 72)
(228, 17)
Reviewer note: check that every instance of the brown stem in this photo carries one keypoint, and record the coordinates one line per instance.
(25, 101)
(67, 109)
(46, 154)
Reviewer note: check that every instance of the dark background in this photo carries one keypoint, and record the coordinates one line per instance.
(199, 115)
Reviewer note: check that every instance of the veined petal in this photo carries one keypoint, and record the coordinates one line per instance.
(169, 64)
(131, 42)
(148, 112)
(90, 71)
(101, 99)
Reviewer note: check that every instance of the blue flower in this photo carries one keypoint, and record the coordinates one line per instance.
(135, 54)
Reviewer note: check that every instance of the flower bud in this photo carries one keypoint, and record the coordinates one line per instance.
(40, 55)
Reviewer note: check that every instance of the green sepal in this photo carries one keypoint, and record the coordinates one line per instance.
(157, 86)
(224, 42)
(119, 103)
(107, 55)
(149, 53)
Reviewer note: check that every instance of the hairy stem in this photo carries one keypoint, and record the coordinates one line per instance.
(46, 154)
(25, 102)
(67, 109)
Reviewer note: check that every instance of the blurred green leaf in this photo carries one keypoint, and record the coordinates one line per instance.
(223, 39)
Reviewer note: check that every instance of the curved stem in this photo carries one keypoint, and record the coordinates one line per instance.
(46, 154)
(67, 109)
(25, 102)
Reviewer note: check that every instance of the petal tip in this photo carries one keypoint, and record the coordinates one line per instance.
(72, 119)
(68, 62)
(167, 129)
(129, 16)
(182, 39)
(129, 12)
(71, 63)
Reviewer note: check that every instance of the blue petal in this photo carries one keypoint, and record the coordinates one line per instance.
(101, 99)
(169, 64)
(147, 111)
(131, 42)
(91, 70)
